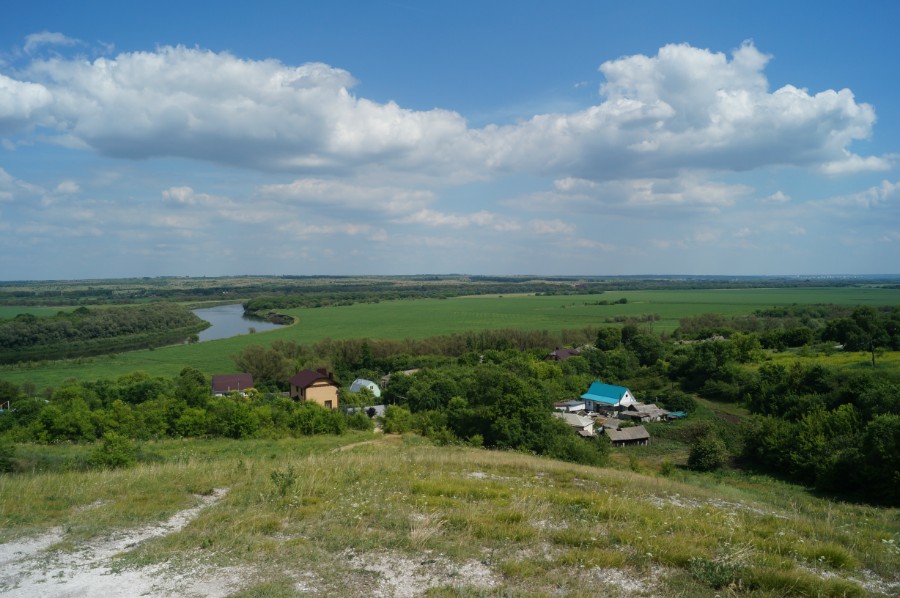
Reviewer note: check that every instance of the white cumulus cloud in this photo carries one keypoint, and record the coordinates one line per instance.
(684, 108)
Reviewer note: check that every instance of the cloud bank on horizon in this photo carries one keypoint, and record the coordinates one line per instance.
(183, 160)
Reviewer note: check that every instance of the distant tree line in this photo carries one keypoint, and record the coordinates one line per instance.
(91, 331)
(312, 291)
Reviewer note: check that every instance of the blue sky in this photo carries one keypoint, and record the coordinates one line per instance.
(214, 138)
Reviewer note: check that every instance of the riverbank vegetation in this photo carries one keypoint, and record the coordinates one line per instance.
(84, 331)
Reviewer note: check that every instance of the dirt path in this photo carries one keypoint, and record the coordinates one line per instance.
(31, 567)
(386, 439)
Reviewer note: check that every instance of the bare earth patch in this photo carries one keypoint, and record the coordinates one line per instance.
(403, 577)
(30, 567)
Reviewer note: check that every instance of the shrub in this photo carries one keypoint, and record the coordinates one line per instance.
(397, 420)
(284, 480)
(360, 421)
(707, 453)
(115, 451)
(667, 468)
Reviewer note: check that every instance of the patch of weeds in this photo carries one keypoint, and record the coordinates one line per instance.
(7, 452)
(592, 556)
(459, 489)
(485, 526)
(798, 583)
(413, 440)
(717, 574)
(525, 569)
(829, 555)
(634, 464)
(283, 480)
(423, 527)
(283, 587)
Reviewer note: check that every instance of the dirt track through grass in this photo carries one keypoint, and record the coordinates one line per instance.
(48, 566)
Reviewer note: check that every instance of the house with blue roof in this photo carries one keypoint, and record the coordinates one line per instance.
(602, 397)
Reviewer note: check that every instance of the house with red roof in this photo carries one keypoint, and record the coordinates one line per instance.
(315, 385)
(224, 384)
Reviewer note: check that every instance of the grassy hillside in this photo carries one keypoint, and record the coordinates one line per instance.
(396, 516)
(429, 317)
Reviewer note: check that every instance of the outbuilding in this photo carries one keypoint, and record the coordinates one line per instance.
(361, 383)
(638, 435)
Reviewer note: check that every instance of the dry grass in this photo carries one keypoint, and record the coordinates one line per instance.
(467, 522)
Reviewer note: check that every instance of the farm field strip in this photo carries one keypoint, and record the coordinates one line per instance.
(422, 318)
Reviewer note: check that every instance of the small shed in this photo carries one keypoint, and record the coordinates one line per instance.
(570, 406)
(637, 435)
(361, 383)
(583, 425)
(644, 412)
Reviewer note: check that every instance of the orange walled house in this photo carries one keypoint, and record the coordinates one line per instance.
(316, 386)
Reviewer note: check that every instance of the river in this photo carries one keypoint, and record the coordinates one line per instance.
(228, 320)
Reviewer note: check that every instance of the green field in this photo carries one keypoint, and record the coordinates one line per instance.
(7, 312)
(422, 318)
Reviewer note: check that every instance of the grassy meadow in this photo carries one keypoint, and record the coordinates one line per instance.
(8, 312)
(393, 515)
(422, 318)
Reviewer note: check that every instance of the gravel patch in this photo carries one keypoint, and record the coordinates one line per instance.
(30, 567)
(402, 577)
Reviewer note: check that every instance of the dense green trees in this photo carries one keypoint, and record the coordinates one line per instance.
(867, 330)
(92, 331)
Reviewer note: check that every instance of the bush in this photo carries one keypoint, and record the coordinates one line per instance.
(397, 420)
(708, 453)
(115, 451)
(679, 401)
(360, 421)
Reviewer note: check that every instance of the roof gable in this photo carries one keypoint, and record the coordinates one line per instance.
(605, 393)
(361, 383)
(307, 378)
(230, 382)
